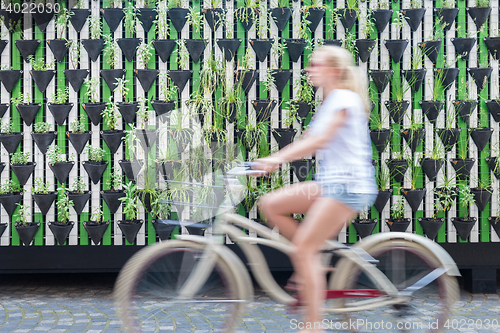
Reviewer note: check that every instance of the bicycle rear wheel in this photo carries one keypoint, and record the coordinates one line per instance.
(148, 288)
(403, 263)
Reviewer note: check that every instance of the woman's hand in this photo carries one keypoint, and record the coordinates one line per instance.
(267, 164)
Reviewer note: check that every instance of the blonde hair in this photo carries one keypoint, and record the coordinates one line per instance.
(353, 78)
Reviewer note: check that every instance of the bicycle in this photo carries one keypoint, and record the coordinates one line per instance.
(200, 279)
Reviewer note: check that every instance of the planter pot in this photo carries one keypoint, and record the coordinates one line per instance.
(11, 141)
(347, 17)
(130, 229)
(167, 169)
(229, 47)
(110, 76)
(398, 225)
(261, 48)
(146, 16)
(414, 17)
(464, 109)
(431, 167)
(94, 111)
(431, 226)
(58, 48)
(492, 164)
(128, 110)
(146, 77)
(431, 109)
(178, 17)
(111, 198)
(93, 47)
(281, 78)
(61, 231)
(3, 108)
(396, 48)
(10, 78)
(28, 112)
(113, 17)
(79, 140)
(365, 48)
(42, 18)
(295, 48)
(195, 48)
(303, 110)
(381, 78)
(145, 199)
(447, 16)
(431, 49)
(76, 77)
(246, 79)
(60, 112)
(95, 170)
(463, 46)
(397, 110)
(381, 138)
(449, 137)
(79, 200)
(113, 139)
(383, 197)
(213, 17)
(180, 78)
(27, 47)
(450, 75)
(198, 228)
(315, 16)
(479, 15)
(43, 140)
(481, 197)
(147, 138)
(162, 107)
(284, 136)
(462, 167)
(27, 233)
(463, 226)
(414, 197)
(164, 47)
(413, 137)
(61, 170)
(302, 168)
(11, 18)
(163, 228)
(494, 109)
(246, 16)
(494, 223)
(281, 16)
(415, 78)
(493, 45)
(78, 18)
(130, 168)
(45, 201)
(333, 42)
(481, 136)
(397, 169)
(263, 109)
(128, 46)
(42, 79)
(364, 227)
(10, 201)
(23, 171)
(480, 75)
(96, 231)
(381, 18)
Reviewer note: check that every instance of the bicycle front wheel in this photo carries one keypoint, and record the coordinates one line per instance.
(151, 293)
(403, 263)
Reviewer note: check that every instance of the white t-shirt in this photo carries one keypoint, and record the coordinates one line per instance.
(347, 158)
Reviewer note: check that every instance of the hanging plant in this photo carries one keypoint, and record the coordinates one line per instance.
(169, 95)
(79, 195)
(42, 194)
(398, 222)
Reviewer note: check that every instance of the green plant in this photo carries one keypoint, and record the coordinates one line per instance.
(96, 154)
(305, 93)
(349, 43)
(398, 209)
(92, 91)
(438, 87)
(115, 179)
(111, 115)
(269, 82)
(79, 185)
(63, 203)
(168, 89)
(97, 215)
(399, 22)
(376, 121)
(439, 27)
(130, 19)
(42, 127)
(162, 25)
(303, 26)
(40, 187)
(211, 74)
(443, 200)
(450, 116)
(144, 53)
(20, 157)
(24, 212)
(149, 3)
(448, 4)
(368, 26)
(10, 187)
(160, 206)
(7, 127)
(383, 178)
(415, 4)
(352, 4)
(194, 18)
(95, 26)
(278, 49)
(482, 3)
(111, 51)
(245, 16)
(55, 155)
(39, 64)
(230, 96)
(21, 99)
(417, 58)
(130, 202)
(414, 173)
(215, 3)
(131, 141)
(399, 88)
(253, 133)
(290, 114)
(143, 112)
(331, 26)
(174, 3)
(466, 199)
(61, 96)
(198, 162)
(121, 87)
(62, 22)
(382, 4)
(115, 3)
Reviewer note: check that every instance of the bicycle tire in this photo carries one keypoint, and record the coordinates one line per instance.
(403, 262)
(145, 290)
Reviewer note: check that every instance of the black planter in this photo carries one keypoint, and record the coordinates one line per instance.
(58, 48)
(94, 111)
(3, 108)
(381, 138)
(449, 137)
(494, 109)
(79, 200)
(481, 136)
(381, 78)
(463, 227)
(128, 111)
(3, 226)
(147, 138)
(27, 47)
(450, 75)
(146, 77)
(45, 201)
(60, 112)
(302, 168)
(145, 199)
(415, 78)
(180, 78)
(167, 169)
(163, 228)
(447, 16)
(295, 48)
(284, 136)
(431, 49)
(364, 227)
(93, 47)
(213, 17)
(263, 109)
(381, 18)
(130, 229)
(281, 78)
(95, 170)
(27, 233)
(61, 231)
(111, 199)
(396, 48)
(9, 202)
(365, 47)
(11, 18)
(195, 48)
(383, 197)
(28, 112)
(78, 140)
(333, 42)
(128, 46)
(110, 76)
(494, 223)
(261, 48)
(130, 168)
(61, 170)
(414, 197)
(480, 75)
(78, 18)
(479, 15)
(464, 109)
(2, 166)
(146, 16)
(76, 77)
(413, 137)
(43, 140)
(229, 47)
(42, 78)
(113, 17)
(113, 139)
(397, 169)
(162, 107)
(463, 46)
(11, 141)
(315, 16)
(397, 110)
(246, 16)
(96, 231)
(431, 226)
(481, 197)
(303, 110)
(493, 45)
(178, 17)
(9, 79)
(281, 16)
(431, 167)
(42, 18)
(164, 47)
(414, 17)
(492, 164)
(431, 109)
(462, 167)
(347, 17)
(246, 79)
(399, 225)
(23, 171)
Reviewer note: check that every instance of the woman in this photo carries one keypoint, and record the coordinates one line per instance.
(345, 181)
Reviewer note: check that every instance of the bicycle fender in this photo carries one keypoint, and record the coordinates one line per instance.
(440, 253)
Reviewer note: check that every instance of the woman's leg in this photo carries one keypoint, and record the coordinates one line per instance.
(325, 219)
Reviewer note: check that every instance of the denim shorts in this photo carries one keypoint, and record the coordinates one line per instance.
(340, 192)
